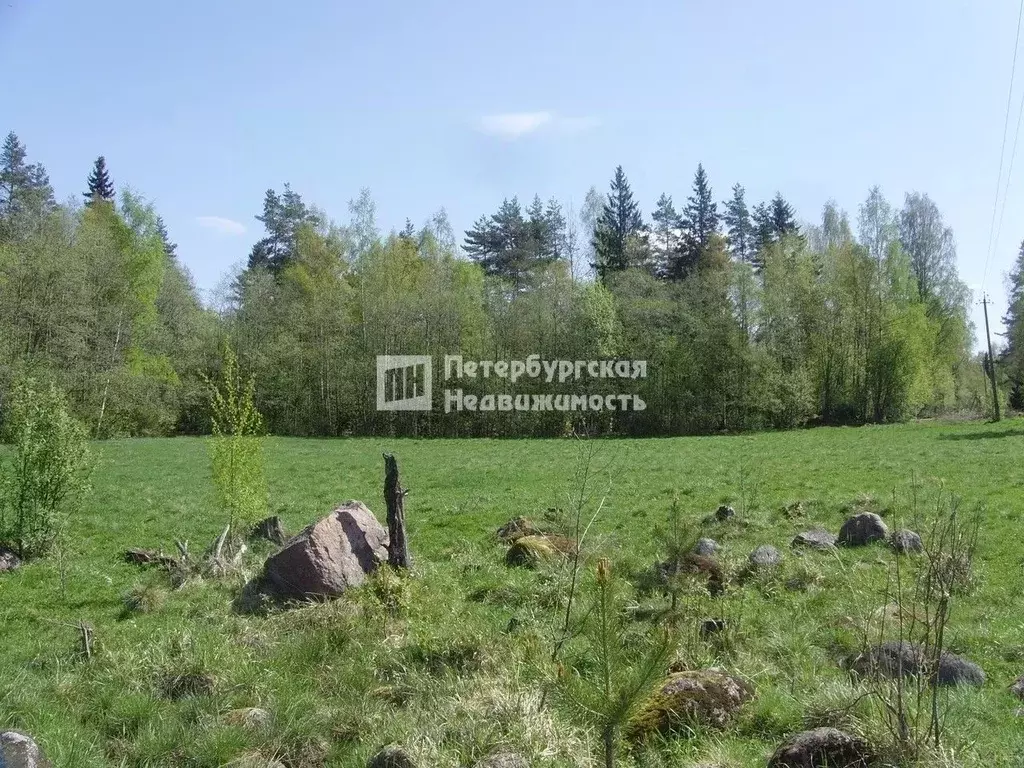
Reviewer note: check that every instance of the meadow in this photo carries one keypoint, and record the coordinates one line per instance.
(460, 670)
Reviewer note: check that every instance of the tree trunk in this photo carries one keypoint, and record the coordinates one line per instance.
(394, 497)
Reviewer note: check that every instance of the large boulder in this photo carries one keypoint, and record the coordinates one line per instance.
(19, 751)
(891, 658)
(819, 748)
(329, 556)
(815, 539)
(8, 560)
(709, 698)
(863, 529)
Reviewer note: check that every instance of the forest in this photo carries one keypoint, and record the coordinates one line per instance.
(748, 318)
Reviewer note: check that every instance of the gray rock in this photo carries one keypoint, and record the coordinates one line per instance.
(724, 512)
(503, 760)
(906, 541)
(891, 658)
(18, 750)
(391, 756)
(816, 539)
(819, 748)
(765, 556)
(1017, 689)
(863, 529)
(329, 556)
(705, 546)
(709, 697)
(8, 560)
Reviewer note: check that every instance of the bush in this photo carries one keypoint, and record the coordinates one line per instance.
(49, 473)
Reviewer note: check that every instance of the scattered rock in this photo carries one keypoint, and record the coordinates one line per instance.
(724, 512)
(516, 528)
(252, 718)
(711, 627)
(906, 541)
(708, 697)
(705, 546)
(327, 557)
(1017, 689)
(819, 748)
(695, 565)
(150, 557)
(530, 551)
(270, 529)
(503, 760)
(863, 529)
(8, 560)
(816, 539)
(392, 756)
(765, 556)
(18, 750)
(888, 659)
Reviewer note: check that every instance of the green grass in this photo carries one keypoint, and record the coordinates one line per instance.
(447, 678)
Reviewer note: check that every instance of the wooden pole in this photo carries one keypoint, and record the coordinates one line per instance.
(394, 497)
(991, 360)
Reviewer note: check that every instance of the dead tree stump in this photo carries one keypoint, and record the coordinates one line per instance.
(394, 497)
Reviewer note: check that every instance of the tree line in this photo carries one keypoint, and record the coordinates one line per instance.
(746, 318)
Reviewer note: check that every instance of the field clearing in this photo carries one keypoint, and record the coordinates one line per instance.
(448, 680)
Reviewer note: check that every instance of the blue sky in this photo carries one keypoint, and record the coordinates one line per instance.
(201, 106)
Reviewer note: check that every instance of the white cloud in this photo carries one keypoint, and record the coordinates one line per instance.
(513, 125)
(221, 225)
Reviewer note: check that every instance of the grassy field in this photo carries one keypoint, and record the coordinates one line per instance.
(448, 678)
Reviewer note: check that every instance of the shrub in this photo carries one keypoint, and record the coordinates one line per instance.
(236, 451)
(49, 473)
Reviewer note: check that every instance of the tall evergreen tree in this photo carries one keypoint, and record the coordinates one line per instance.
(739, 227)
(24, 187)
(1013, 354)
(782, 217)
(667, 235)
(408, 231)
(555, 224)
(509, 246)
(283, 216)
(101, 188)
(620, 223)
(171, 249)
(700, 223)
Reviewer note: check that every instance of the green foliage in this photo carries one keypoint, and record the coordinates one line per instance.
(236, 447)
(47, 476)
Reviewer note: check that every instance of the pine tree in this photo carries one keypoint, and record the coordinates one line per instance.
(739, 227)
(700, 223)
(24, 187)
(667, 234)
(282, 217)
(620, 222)
(101, 188)
(171, 249)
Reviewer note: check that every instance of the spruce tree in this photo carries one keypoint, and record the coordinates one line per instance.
(24, 187)
(408, 231)
(1013, 355)
(620, 222)
(101, 188)
(700, 223)
(667, 232)
(171, 249)
(783, 218)
(738, 226)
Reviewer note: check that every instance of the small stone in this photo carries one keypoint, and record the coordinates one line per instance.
(705, 546)
(17, 750)
(863, 529)
(906, 541)
(391, 756)
(503, 760)
(1017, 689)
(819, 748)
(765, 556)
(8, 560)
(724, 512)
(816, 539)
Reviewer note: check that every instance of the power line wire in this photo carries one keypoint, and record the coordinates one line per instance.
(1002, 149)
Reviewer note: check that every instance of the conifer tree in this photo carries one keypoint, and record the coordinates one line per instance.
(620, 222)
(101, 188)
(171, 249)
(700, 223)
(738, 226)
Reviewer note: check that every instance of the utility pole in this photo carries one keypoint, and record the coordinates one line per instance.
(991, 360)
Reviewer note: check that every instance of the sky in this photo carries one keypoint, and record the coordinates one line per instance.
(203, 106)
